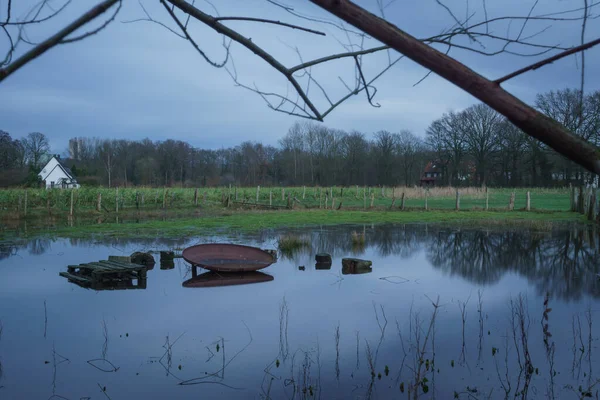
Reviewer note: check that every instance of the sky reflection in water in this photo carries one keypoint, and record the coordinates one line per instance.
(167, 334)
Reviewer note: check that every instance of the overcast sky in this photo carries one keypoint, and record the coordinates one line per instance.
(137, 80)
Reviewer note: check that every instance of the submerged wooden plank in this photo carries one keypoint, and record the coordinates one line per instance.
(75, 278)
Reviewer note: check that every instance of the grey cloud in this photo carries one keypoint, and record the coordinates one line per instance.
(138, 80)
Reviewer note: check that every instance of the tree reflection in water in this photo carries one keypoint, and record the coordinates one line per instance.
(563, 262)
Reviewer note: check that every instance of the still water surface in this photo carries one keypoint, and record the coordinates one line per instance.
(312, 333)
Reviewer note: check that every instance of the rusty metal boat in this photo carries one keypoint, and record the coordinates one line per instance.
(213, 279)
(225, 257)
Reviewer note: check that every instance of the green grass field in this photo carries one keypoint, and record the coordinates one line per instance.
(253, 221)
(14, 202)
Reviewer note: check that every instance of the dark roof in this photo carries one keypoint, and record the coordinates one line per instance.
(67, 169)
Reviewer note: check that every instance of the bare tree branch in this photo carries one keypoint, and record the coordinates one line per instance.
(549, 60)
(520, 114)
(189, 38)
(270, 21)
(219, 27)
(57, 38)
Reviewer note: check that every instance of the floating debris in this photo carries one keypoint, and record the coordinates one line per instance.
(107, 275)
(356, 266)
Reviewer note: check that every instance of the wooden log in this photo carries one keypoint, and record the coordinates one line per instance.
(356, 266)
(528, 206)
(511, 203)
(323, 258)
(402, 201)
(71, 209)
(99, 202)
(457, 208)
(141, 258)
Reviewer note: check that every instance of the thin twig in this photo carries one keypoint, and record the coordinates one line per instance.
(549, 60)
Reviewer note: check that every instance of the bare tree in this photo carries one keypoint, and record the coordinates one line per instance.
(36, 146)
(481, 131)
(471, 34)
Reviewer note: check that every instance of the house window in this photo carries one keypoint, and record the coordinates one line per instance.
(52, 184)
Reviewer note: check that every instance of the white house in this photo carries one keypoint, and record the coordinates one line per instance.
(57, 175)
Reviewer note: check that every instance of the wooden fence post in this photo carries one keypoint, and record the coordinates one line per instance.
(282, 194)
(326, 200)
(165, 198)
(528, 207)
(235, 193)
(19, 204)
(426, 196)
(195, 197)
(320, 198)
(270, 197)
(117, 199)
(25, 204)
(487, 199)
(304, 192)
(372, 199)
(572, 197)
(511, 202)
(357, 191)
(457, 200)
(394, 191)
(402, 201)
(99, 202)
(49, 192)
(591, 206)
(72, 194)
(382, 191)
(393, 202)
(257, 193)
(333, 203)
(580, 201)
(365, 198)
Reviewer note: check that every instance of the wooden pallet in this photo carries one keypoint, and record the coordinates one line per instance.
(107, 274)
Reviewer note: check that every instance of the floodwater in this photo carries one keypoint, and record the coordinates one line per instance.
(444, 313)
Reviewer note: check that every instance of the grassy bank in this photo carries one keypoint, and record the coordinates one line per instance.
(31, 203)
(250, 221)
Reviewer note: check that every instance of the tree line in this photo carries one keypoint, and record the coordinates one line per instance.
(476, 146)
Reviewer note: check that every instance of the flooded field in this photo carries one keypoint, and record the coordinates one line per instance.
(444, 313)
